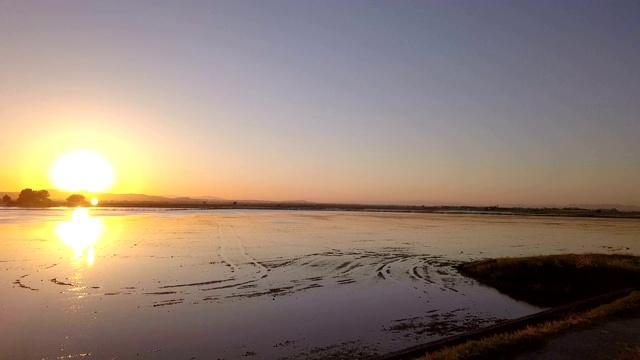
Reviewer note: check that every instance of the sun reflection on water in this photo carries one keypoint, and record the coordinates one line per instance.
(81, 233)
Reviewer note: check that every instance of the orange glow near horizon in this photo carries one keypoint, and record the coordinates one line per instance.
(82, 170)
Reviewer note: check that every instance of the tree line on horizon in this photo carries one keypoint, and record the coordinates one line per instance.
(40, 198)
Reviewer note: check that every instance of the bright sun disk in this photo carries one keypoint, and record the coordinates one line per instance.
(82, 170)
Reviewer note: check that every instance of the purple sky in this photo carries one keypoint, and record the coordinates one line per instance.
(480, 102)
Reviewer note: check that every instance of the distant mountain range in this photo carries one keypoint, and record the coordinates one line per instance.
(57, 195)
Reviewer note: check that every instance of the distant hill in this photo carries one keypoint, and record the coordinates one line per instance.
(57, 195)
(143, 197)
(211, 198)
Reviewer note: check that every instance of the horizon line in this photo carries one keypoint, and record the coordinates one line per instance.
(366, 202)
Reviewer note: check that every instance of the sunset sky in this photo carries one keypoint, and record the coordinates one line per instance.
(475, 102)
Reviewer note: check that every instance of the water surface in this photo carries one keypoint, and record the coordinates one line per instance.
(179, 284)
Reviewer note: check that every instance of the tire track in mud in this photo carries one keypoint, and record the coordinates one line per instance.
(195, 284)
(222, 250)
(233, 253)
(246, 269)
(434, 271)
(336, 268)
(252, 260)
(168, 302)
(231, 256)
(230, 286)
(238, 275)
(384, 269)
(331, 268)
(414, 273)
(353, 265)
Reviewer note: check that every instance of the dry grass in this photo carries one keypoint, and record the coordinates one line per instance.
(507, 344)
(550, 280)
(631, 355)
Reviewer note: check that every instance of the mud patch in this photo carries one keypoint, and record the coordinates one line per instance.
(347, 350)
(285, 343)
(58, 282)
(20, 284)
(441, 325)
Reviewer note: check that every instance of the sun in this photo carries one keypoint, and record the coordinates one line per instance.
(82, 170)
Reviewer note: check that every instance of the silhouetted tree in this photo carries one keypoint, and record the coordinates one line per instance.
(29, 197)
(26, 197)
(6, 199)
(76, 199)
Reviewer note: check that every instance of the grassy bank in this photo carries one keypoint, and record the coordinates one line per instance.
(505, 346)
(550, 281)
(554, 280)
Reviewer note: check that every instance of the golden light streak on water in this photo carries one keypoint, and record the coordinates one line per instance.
(81, 233)
(90, 256)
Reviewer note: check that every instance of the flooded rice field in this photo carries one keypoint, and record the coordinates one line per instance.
(189, 284)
